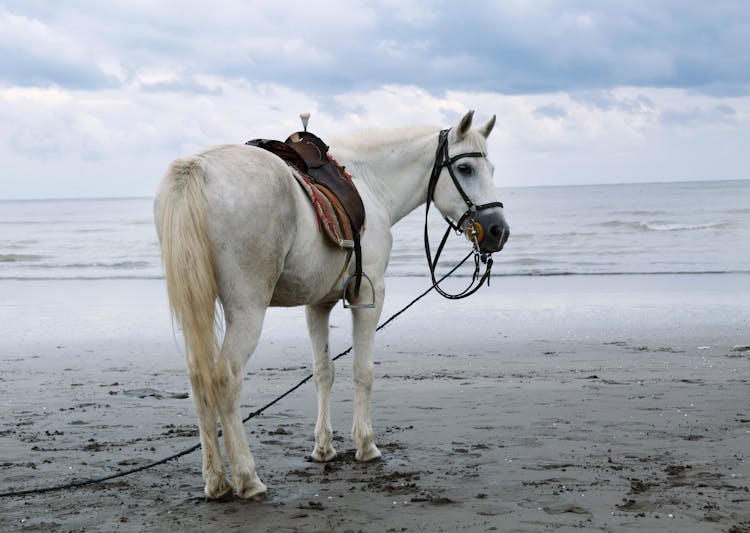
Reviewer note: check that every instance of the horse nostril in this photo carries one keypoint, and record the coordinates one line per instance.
(499, 233)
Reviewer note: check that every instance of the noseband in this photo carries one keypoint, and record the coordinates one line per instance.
(443, 159)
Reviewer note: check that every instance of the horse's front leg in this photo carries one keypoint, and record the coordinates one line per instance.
(323, 373)
(365, 320)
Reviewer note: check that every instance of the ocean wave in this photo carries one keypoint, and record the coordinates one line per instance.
(114, 265)
(80, 278)
(410, 275)
(18, 245)
(21, 258)
(640, 213)
(528, 261)
(615, 224)
(50, 222)
(623, 273)
(499, 273)
(662, 226)
(94, 230)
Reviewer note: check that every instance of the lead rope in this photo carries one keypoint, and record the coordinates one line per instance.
(123, 473)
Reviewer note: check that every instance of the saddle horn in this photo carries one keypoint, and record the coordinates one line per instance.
(305, 117)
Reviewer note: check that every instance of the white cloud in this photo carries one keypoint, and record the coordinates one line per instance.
(334, 47)
(131, 135)
(35, 37)
(32, 52)
(97, 98)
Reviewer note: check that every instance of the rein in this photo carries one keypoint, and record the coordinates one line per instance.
(443, 159)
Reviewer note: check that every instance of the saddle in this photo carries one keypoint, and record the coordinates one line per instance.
(338, 206)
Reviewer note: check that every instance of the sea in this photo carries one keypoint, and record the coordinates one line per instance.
(643, 228)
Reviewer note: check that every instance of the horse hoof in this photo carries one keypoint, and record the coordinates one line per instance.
(370, 453)
(321, 455)
(254, 490)
(220, 490)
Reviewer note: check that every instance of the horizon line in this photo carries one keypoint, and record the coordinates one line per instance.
(537, 186)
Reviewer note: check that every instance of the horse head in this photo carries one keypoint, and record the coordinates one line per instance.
(462, 186)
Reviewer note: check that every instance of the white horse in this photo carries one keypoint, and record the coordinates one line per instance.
(236, 227)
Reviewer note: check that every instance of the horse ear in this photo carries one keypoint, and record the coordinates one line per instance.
(464, 125)
(487, 128)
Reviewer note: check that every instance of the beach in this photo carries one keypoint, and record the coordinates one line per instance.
(587, 403)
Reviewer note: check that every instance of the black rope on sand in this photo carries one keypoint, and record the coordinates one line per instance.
(123, 473)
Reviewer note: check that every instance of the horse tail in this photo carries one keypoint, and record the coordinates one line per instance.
(190, 271)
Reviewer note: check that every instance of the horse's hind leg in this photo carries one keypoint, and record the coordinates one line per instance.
(323, 372)
(240, 340)
(214, 474)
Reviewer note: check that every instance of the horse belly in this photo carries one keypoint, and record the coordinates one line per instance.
(312, 265)
(312, 274)
(310, 279)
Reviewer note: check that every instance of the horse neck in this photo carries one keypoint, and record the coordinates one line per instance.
(395, 165)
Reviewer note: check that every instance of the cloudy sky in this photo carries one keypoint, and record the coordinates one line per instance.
(97, 97)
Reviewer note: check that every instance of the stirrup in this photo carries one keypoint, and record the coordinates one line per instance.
(349, 280)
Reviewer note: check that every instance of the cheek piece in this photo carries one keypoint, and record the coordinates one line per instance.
(474, 230)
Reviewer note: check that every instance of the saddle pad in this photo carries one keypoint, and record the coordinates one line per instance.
(328, 210)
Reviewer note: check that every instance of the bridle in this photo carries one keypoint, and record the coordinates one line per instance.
(443, 159)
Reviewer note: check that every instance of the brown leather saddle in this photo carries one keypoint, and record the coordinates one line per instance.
(306, 153)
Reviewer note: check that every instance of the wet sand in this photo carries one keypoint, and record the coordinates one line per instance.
(583, 403)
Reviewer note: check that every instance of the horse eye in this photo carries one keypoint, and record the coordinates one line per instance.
(465, 169)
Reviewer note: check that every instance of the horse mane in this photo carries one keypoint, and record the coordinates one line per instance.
(375, 139)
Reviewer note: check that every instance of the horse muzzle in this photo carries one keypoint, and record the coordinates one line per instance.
(489, 231)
